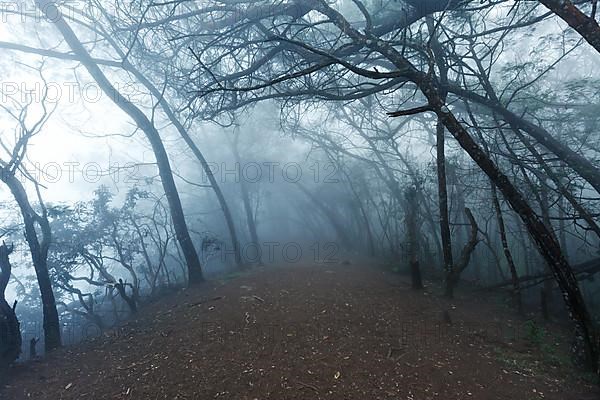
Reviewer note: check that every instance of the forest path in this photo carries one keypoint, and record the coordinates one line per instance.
(309, 332)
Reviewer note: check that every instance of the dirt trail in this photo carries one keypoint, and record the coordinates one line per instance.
(310, 332)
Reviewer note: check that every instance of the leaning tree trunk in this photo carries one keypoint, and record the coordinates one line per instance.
(197, 153)
(585, 350)
(585, 25)
(585, 343)
(10, 330)
(575, 160)
(53, 14)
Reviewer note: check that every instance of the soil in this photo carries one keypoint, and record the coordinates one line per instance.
(313, 332)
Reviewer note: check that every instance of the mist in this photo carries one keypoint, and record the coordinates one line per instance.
(299, 199)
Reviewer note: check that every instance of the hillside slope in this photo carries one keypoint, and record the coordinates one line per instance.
(310, 332)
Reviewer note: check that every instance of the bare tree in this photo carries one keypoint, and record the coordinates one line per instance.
(38, 241)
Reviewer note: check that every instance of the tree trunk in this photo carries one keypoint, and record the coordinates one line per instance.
(547, 290)
(585, 349)
(573, 159)
(586, 26)
(10, 329)
(517, 298)
(443, 209)
(250, 217)
(39, 257)
(465, 256)
(122, 289)
(440, 135)
(366, 223)
(164, 168)
(560, 187)
(411, 215)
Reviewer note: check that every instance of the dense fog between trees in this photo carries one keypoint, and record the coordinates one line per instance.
(149, 146)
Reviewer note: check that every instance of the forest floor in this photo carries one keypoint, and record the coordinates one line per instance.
(313, 332)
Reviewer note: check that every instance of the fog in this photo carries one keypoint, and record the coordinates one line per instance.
(152, 150)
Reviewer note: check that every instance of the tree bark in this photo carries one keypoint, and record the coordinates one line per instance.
(586, 26)
(443, 209)
(438, 56)
(583, 271)
(10, 329)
